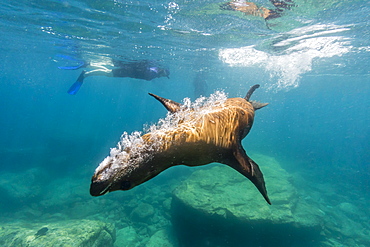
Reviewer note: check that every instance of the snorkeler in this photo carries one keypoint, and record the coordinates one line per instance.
(144, 69)
(250, 8)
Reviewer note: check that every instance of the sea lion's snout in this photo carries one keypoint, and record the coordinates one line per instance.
(111, 175)
(99, 188)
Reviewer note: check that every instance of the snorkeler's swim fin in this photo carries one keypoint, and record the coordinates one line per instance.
(81, 63)
(76, 86)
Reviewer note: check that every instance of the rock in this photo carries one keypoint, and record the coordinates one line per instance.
(219, 199)
(349, 209)
(19, 189)
(142, 212)
(81, 233)
(126, 237)
(167, 204)
(222, 191)
(65, 191)
(160, 238)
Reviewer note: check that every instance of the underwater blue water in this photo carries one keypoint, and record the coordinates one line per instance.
(313, 65)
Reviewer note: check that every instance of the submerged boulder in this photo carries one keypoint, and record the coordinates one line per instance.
(220, 200)
(20, 188)
(160, 238)
(142, 212)
(126, 237)
(81, 233)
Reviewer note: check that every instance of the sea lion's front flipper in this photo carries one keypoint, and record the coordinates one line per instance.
(170, 105)
(249, 169)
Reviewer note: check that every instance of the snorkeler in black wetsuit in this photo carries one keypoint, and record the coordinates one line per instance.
(144, 69)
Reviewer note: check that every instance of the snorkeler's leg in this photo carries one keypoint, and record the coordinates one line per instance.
(98, 72)
(76, 86)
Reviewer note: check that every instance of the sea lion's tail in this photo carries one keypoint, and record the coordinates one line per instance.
(256, 105)
(250, 92)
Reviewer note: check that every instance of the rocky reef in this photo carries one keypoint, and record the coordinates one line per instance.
(216, 206)
(83, 233)
(220, 201)
(204, 206)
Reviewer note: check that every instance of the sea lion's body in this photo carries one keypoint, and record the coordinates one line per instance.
(202, 136)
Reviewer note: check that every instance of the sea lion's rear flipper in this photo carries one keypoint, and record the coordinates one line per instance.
(249, 169)
(256, 105)
(250, 92)
(170, 105)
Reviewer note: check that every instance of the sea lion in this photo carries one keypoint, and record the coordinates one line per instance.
(212, 133)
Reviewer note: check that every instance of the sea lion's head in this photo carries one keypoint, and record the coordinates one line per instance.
(106, 177)
(123, 169)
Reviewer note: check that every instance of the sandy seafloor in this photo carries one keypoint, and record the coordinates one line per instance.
(311, 141)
